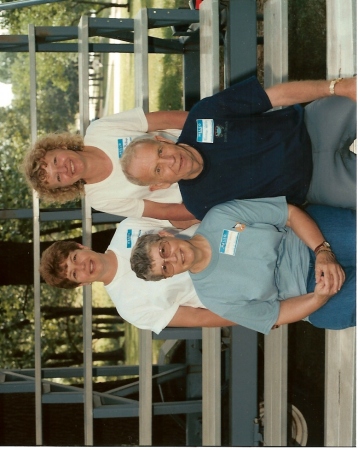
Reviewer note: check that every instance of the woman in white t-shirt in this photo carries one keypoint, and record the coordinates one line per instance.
(64, 166)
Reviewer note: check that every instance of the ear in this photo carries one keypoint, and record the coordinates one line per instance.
(164, 233)
(157, 186)
(82, 247)
(163, 139)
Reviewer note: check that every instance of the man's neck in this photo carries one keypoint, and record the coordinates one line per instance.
(197, 159)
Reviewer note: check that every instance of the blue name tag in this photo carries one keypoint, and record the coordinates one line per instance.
(122, 144)
(228, 243)
(129, 238)
(205, 130)
(132, 237)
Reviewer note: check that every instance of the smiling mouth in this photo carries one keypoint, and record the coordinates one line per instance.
(182, 256)
(72, 167)
(91, 267)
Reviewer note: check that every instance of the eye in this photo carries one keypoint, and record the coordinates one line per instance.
(74, 276)
(55, 161)
(157, 170)
(160, 151)
(58, 178)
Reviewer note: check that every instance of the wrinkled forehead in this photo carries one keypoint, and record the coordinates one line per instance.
(146, 148)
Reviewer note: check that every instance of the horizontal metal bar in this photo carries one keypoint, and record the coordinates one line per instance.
(58, 214)
(9, 387)
(63, 397)
(112, 411)
(24, 3)
(171, 17)
(160, 378)
(179, 333)
(101, 23)
(71, 372)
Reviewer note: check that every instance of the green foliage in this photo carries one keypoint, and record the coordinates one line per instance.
(61, 326)
(307, 39)
(171, 89)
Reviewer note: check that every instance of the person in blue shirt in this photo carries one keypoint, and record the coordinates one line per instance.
(260, 264)
(234, 146)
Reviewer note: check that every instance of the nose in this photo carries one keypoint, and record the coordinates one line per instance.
(54, 170)
(169, 159)
(172, 258)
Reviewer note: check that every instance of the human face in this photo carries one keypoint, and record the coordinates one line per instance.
(85, 266)
(172, 256)
(162, 163)
(63, 167)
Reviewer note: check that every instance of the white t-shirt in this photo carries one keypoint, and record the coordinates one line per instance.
(115, 194)
(149, 305)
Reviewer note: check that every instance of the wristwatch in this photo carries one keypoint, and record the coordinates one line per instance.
(325, 246)
(332, 85)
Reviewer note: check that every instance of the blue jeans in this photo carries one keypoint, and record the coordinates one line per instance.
(338, 226)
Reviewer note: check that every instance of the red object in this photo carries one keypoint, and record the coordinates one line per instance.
(197, 3)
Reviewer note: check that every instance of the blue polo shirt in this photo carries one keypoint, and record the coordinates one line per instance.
(248, 152)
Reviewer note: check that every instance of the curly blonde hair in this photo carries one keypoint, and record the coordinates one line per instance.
(33, 167)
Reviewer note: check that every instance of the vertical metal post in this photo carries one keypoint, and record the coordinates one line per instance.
(209, 85)
(141, 60)
(276, 357)
(36, 242)
(145, 387)
(145, 336)
(83, 61)
(241, 41)
(241, 62)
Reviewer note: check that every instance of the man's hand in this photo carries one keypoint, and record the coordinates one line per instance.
(347, 87)
(328, 271)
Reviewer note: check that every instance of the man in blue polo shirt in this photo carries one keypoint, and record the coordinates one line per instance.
(232, 146)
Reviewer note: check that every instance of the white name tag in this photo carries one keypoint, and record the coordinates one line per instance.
(205, 130)
(122, 144)
(228, 244)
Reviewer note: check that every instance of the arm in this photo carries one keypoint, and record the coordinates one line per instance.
(187, 316)
(307, 230)
(168, 211)
(286, 94)
(163, 120)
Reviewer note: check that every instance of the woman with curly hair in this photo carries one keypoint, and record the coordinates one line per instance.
(63, 166)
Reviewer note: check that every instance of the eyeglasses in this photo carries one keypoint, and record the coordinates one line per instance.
(165, 252)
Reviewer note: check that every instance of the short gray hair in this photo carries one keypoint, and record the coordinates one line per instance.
(128, 156)
(141, 261)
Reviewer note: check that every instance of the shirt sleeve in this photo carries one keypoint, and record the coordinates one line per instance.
(242, 99)
(131, 120)
(119, 206)
(273, 211)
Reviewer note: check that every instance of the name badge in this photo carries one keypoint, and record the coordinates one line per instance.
(205, 130)
(132, 236)
(122, 144)
(228, 244)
